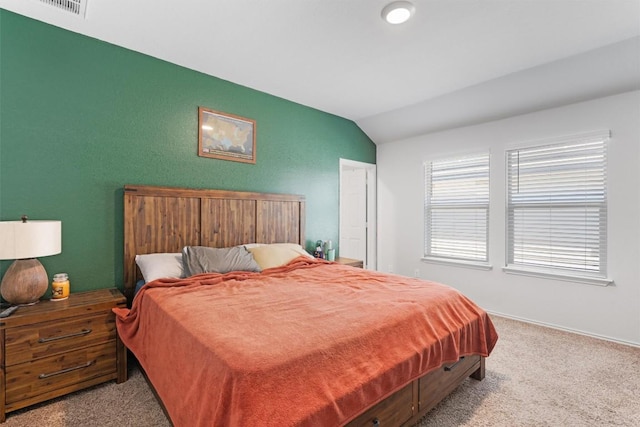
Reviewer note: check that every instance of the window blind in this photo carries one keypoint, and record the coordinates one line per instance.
(557, 206)
(457, 208)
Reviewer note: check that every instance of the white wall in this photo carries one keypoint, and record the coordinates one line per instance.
(611, 312)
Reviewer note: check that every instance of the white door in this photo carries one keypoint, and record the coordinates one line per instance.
(357, 212)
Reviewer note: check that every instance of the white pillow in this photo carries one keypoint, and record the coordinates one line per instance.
(156, 266)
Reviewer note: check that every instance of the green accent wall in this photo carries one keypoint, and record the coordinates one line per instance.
(81, 118)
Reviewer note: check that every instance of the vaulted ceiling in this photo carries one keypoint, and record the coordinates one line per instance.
(455, 62)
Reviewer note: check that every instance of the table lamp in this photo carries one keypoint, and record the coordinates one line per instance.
(26, 281)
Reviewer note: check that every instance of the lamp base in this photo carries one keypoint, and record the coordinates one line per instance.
(25, 282)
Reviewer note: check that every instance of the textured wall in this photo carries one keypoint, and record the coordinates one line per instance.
(80, 118)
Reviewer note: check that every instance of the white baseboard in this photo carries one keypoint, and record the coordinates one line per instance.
(562, 328)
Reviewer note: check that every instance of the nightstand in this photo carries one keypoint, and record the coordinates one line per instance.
(57, 347)
(350, 261)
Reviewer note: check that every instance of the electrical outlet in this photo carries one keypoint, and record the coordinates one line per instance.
(390, 268)
(416, 272)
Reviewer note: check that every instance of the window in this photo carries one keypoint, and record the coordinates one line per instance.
(456, 209)
(557, 207)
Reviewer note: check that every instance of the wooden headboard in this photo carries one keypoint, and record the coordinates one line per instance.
(165, 219)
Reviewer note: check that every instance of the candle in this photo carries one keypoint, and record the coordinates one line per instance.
(60, 287)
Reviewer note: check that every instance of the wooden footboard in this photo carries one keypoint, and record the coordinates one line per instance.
(410, 404)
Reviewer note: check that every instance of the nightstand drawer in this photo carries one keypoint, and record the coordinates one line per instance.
(54, 348)
(31, 342)
(44, 376)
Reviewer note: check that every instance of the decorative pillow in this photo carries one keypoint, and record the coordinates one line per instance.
(156, 266)
(139, 285)
(253, 245)
(277, 254)
(202, 259)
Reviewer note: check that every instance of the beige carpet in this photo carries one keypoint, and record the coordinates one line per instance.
(535, 377)
(538, 377)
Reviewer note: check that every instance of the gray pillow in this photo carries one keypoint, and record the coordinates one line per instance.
(202, 259)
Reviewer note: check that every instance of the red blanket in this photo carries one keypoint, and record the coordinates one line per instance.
(310, 343)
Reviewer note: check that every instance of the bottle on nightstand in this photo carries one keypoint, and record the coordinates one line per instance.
(318, 253)
(329, 251)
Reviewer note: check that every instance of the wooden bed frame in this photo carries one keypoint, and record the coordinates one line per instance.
(165, 219)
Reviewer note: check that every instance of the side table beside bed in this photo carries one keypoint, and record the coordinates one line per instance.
(54, 348)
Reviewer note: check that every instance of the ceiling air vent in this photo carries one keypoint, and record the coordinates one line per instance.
(77, 7)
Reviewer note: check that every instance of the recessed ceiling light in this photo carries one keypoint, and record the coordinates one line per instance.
(398, 12)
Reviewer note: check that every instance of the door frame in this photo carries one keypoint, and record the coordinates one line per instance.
(371, 262)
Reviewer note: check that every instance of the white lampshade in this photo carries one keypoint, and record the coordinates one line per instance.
(31, 239)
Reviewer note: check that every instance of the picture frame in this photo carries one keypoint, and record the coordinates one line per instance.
(226, 136)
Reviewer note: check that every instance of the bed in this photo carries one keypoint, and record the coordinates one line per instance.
(307, 342)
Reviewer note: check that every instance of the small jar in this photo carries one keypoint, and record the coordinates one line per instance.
(60, 287)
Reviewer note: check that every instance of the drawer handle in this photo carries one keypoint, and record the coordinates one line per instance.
(376, 422)
(450, 368)
(64, 371)
(61, 337)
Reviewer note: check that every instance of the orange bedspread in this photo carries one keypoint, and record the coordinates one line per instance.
(310, 343)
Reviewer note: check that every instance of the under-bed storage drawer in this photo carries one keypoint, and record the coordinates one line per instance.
(31, 342)
(44, 376)
(434, 386)
(393, 411)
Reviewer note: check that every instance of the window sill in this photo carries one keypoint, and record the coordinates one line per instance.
(458, 263)
(588, 280)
